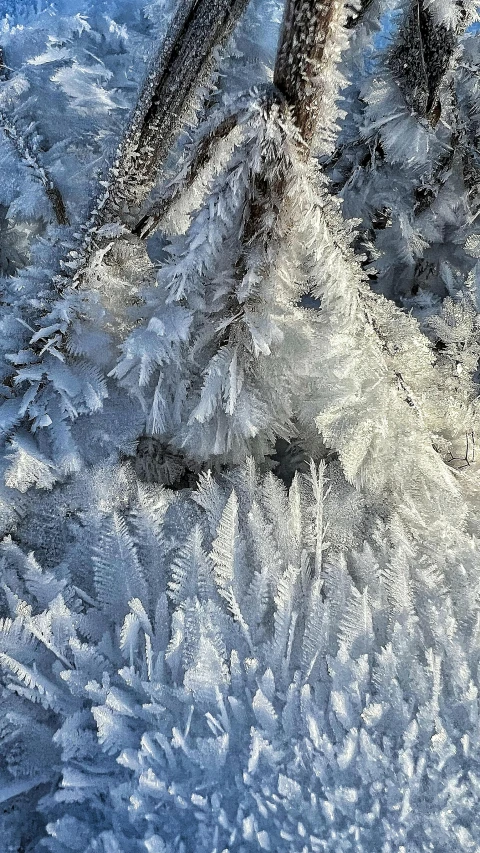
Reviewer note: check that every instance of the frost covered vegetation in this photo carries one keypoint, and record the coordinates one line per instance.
(239, 497)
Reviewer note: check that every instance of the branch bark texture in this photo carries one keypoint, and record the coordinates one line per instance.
(303, 48)
(422, 56)
(181, 65)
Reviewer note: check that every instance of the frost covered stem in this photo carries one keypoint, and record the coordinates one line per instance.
(27, 153)
(180, 67)
(30, 156)
(3, 67)
(302, 48)
(422, 56)
(201, 156)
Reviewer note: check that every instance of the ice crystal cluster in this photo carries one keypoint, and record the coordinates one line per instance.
(246, 671)
(239, 496)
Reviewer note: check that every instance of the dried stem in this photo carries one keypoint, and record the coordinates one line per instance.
(199, 159)
(181, 65)
(29, 155)
(303, 43)
(3, 67)
(422, 56)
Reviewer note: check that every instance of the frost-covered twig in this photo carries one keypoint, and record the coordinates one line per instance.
(177, 70)
(180, 66)
(199, 158)
(309, 49)
(27, 152)
(3, 67)
(424, 50)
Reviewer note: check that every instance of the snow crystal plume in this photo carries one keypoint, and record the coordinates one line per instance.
(254, 700)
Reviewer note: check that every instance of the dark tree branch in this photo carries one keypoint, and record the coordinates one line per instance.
(179, 68)
(303, 41)
(199, 159)
(422, 56)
